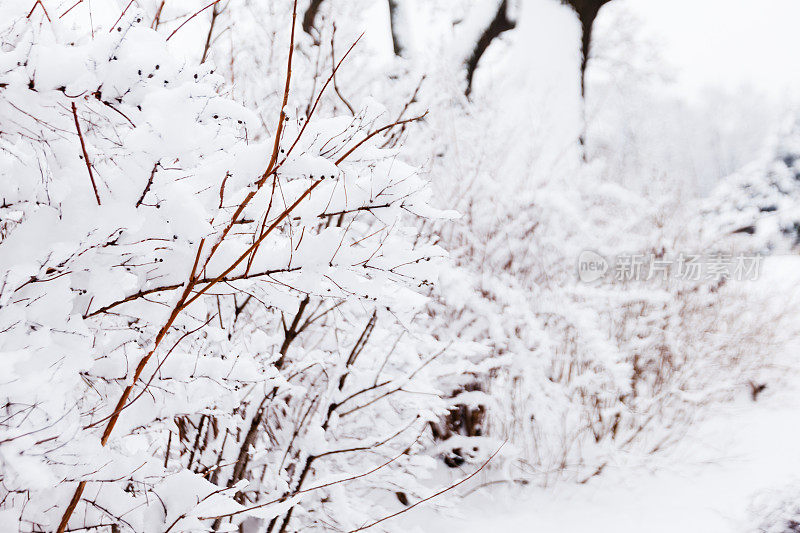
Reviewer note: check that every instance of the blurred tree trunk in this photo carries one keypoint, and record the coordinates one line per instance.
(394, 19)
(499, 24)
(309, 20)
(311, 15)
(587, 11)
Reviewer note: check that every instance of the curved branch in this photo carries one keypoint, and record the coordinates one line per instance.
(501, 23)
(163, 288)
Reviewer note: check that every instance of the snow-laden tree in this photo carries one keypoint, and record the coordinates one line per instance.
(758, 208)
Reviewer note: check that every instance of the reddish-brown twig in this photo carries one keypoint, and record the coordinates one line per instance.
(271, 167)
(379, 130)
(39, 3)
(118, 18)
(76, 4)
(281, 120)
(159, 337)
(215, 2)
(253, 246)
(85, 153)
(146, 292)
(214, 14)
(319, 97)
(155, 372)
(157, 18)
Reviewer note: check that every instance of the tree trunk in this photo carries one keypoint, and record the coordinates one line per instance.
(499, 24)
(587, 11)
(394, 19)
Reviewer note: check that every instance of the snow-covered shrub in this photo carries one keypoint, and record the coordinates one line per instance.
(247, 301)
(612, 371)
(577, 376)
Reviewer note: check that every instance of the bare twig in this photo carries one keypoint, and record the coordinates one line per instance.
(333, 74)
(157, 18)
(124, 397)
(163, 288)
(432, 496)
(149, 184)
(85, 153)
(76, 4)
(214, 14)
(39, 3)
(118, 18)
(376, 132)
(215, 2)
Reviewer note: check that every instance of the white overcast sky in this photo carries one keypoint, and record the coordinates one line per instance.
(729, 42)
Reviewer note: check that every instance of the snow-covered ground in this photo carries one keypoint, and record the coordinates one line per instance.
(706, 484)
(746, 449)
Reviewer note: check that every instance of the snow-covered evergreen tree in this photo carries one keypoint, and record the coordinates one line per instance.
(758, 208)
